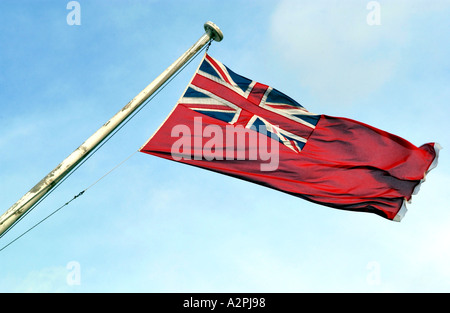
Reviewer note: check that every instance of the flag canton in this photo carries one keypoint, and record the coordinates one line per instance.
(220, 93)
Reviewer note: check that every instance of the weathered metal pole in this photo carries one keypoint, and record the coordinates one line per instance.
(64, 168)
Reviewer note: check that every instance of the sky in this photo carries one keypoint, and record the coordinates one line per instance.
(158, 226)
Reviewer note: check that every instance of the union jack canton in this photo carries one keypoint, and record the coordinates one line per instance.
(237, 100)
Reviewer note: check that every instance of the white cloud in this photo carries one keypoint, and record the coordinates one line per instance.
(49, 279)
(333, 50)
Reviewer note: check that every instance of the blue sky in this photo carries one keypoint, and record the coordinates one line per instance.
(159, 226)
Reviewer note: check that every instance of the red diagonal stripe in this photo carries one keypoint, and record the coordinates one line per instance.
(217, 68)
(257, 93)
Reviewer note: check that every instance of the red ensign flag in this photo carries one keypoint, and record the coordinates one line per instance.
(229, 124)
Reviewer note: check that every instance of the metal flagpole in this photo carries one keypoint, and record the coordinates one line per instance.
(212, 31)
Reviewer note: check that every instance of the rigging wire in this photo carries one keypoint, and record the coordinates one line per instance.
(92, 153)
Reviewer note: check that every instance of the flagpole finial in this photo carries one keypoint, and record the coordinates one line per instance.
(213, 31)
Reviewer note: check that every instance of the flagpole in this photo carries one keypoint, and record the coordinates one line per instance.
(212, 31)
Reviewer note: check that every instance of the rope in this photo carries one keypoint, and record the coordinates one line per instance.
(91, 154)
(68, 202)
(110, 171)
(38, 223)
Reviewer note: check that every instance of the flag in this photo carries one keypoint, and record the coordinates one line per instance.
(232, 125)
